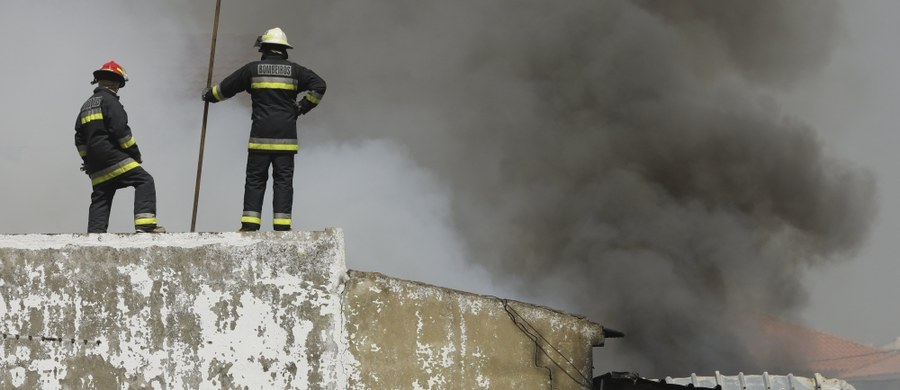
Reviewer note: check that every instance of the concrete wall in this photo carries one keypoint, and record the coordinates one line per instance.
(408, 335)
(173, 311)
(259, 311)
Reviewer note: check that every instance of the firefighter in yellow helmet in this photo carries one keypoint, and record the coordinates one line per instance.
(274, 84)
(110, 155)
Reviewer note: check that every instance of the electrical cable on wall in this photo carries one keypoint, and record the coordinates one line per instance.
(532, 333)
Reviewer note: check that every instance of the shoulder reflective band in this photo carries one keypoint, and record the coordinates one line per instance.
(91, 115)
(251, 217)
(144, 219)
(82, 150)
(113, 171)
(273, 144)
(216, 94)
(314, 97)
(126, 142)
(273, 83)
(281, 219)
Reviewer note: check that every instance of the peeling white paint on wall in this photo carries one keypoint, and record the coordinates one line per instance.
(223, 310)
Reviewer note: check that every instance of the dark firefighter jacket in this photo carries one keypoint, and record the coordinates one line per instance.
(274, 84)
(103, 138)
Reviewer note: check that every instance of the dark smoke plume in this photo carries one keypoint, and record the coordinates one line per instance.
(625, 160)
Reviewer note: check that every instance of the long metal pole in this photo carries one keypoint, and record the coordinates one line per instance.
(212, 57)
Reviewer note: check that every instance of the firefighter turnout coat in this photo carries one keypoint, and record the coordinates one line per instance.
(274, 84)
(103, 138)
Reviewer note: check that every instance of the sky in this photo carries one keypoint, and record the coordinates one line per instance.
(853, 104)
(430, 186)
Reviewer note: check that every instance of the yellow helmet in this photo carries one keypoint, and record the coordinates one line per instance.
(273, 36)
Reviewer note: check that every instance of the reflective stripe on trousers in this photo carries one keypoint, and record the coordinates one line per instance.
(281, 219)
(251, 217)
(144, 219)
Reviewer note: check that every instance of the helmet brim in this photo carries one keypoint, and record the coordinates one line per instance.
(103, 74)
(259, 43)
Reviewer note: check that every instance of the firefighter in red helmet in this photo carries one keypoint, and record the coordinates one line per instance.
(110, 156)
(274, 84)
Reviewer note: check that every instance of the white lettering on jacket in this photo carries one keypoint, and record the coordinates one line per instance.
(273, 70)
(92, 103)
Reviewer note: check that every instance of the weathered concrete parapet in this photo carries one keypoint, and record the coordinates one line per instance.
(172, 311)
(408, 335)
(261, 311)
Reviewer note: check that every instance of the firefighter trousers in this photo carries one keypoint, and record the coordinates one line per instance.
(144, 200)
(255, 187)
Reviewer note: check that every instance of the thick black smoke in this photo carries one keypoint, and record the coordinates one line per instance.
(626, 160)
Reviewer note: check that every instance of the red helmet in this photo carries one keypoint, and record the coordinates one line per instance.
(113, 69)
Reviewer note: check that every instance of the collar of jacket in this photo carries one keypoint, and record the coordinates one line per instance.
(107, 90)
(269, 54)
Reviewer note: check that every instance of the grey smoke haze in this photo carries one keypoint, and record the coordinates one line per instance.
(625, 161)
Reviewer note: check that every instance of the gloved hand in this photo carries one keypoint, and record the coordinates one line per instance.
(304, 106)
(298, 108)
(83, 168)
(207, 96)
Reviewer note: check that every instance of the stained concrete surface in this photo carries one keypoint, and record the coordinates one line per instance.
(171, 311)
(260, 310)
(409, 335)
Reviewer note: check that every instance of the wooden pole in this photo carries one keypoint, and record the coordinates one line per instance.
(212, 57)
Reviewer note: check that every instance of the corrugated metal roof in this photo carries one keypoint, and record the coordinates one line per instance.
(762, 382)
